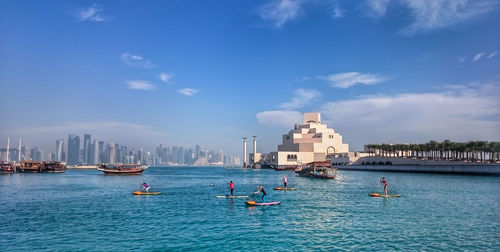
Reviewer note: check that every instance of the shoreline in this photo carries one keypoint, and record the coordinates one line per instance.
(486, 169)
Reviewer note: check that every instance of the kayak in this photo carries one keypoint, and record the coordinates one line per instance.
(381, 195)
(145, 193)
(253, 203)
(285, 188)
(231, 197)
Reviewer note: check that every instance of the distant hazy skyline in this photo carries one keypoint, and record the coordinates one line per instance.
(210, 72)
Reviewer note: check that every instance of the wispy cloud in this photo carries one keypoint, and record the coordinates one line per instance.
(165, 77)
(493, 54)
(478, 56)
(430, 15)
(461, 60)
(377, 8)
(302, 97)
(93, 13)
(346, 80)
(141, 85)
(136, 61)
(278, 12)
(419, 116)
(337, 13)
(188, 91)
(279, 118)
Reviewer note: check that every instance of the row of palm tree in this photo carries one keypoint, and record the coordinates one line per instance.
(472, 151)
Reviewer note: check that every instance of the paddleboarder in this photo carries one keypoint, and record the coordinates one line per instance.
(383, 181)
(261, 190)
(145, 186)
(231, 186)
(285, 181)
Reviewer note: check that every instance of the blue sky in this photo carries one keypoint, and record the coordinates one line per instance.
(210, 72)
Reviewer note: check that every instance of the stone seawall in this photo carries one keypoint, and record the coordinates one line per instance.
(457, 169)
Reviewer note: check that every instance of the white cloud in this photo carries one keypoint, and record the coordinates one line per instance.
(302, 97)
(165, 77)
(337, 12)
(432, 15)
(188, 91)
(279, 118)
(478, 56)
(377, 8)
(346, 80)
(493, 54)
(136, 61)
(278, 12)
(93, 13)
(141, 85)
(459, 113)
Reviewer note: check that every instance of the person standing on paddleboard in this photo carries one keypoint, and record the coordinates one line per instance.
(231, 186)
(261, 189)
(285, 181)
(145, 186)
(383, 181)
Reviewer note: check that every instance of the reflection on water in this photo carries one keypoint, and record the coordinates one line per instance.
(85, 210)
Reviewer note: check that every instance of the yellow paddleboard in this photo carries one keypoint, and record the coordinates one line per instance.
(381, 195)
(145, 193)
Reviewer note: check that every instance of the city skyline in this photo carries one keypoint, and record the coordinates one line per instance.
(95, 151)
(209, 73)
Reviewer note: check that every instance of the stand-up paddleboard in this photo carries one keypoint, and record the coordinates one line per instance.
(231, 197)
(381, 195)
(285, 188)
(145, 193)
(253, 203)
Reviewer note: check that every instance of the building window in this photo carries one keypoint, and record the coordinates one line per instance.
(287, 137)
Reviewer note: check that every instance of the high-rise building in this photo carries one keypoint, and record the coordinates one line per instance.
(197, 152)
(173, 155)
(96, 153)
(180, 155)
(112, 153)
(86, 148)
(59, 150)
(102, 155)
(73, 149)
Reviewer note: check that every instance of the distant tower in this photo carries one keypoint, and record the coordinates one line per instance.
(59, 149)
(73, 150)
(86, 148)
(254, 145)
(244, 152)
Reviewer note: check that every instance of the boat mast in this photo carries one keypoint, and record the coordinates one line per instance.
(19, 152)
(8, 145)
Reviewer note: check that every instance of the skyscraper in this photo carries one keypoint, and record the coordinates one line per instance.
(59, 150)
(112, 153)
(86, 148)
(73, 149)
(96, 153)
(197, 152)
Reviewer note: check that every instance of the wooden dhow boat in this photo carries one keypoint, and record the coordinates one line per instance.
(318, 169)
(7, 167)
(122, 169)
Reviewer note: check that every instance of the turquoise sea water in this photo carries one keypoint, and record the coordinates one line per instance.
(83, 210)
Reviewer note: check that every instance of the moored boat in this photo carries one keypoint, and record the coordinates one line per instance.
(41, 166)
(29, 166)
(7, 167)
(318, 169)
(122, 169)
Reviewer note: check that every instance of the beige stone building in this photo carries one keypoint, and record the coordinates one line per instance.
(311, 141)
